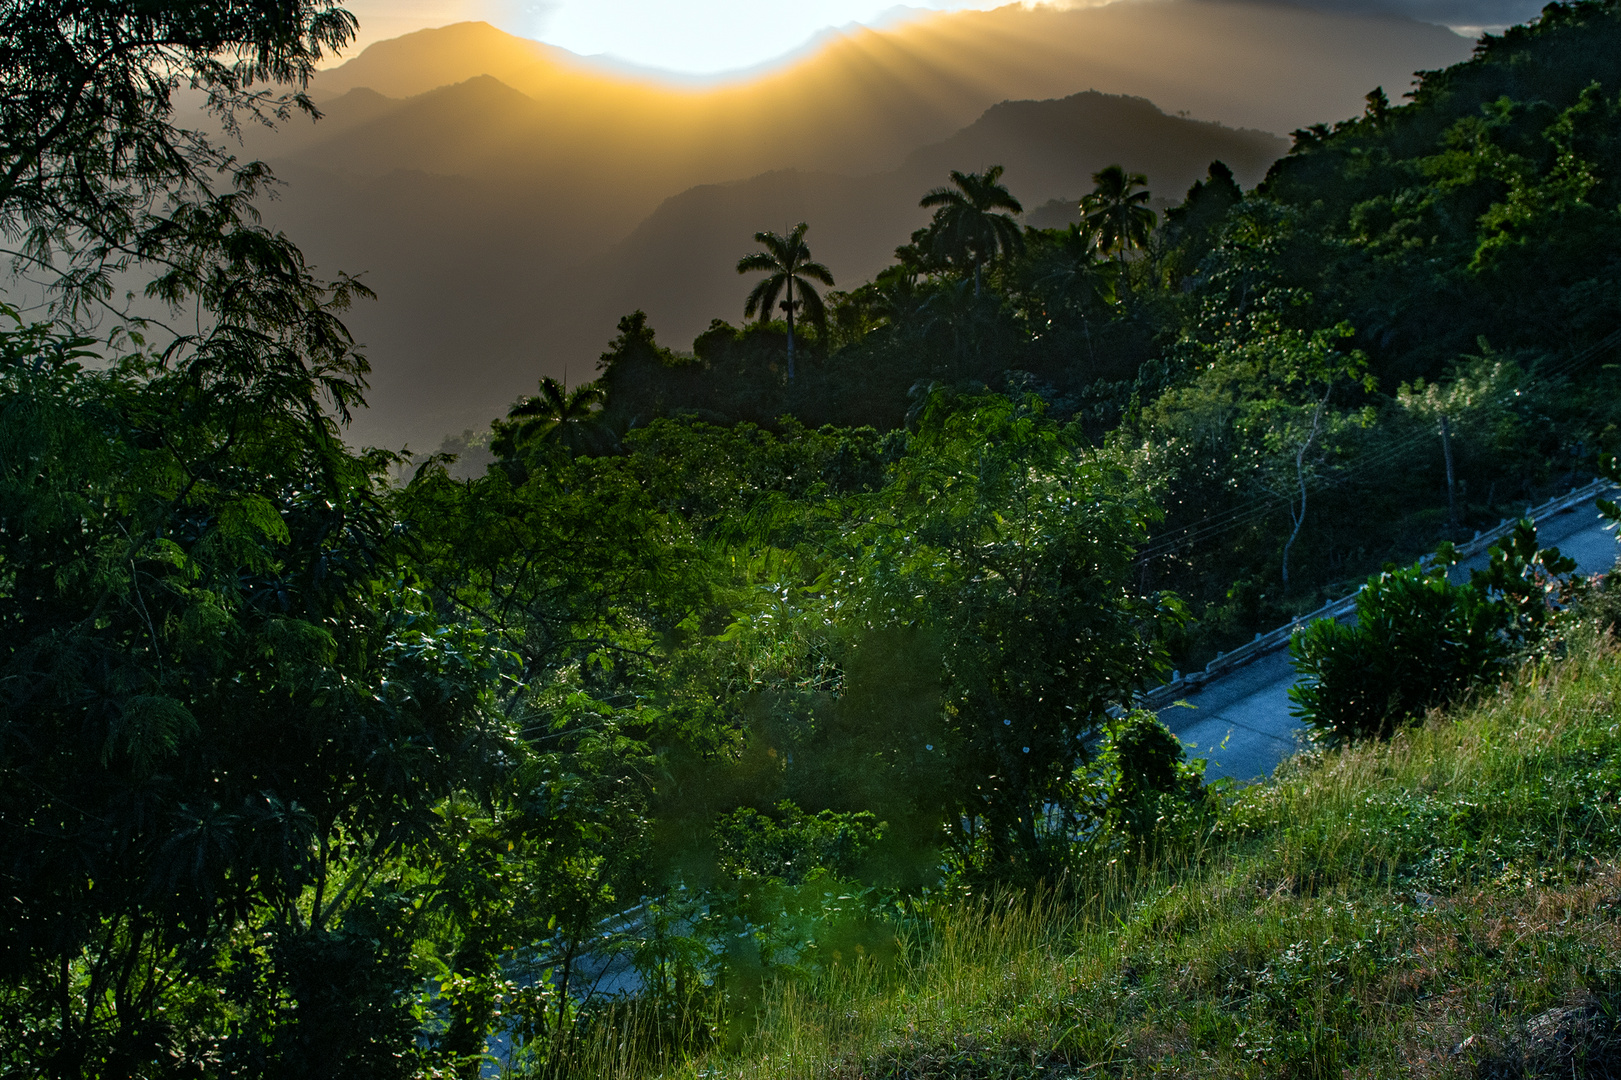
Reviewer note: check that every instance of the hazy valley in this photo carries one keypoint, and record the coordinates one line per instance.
(509, 202)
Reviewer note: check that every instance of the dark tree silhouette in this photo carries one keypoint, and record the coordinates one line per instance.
(555, 415)
(967, 222)
(96, 174)
(1117, 211)
(786, 262)
(1068, 268)
(1069, 275)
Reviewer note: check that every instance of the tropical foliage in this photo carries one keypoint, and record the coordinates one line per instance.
(1421, 641)
(1117, 211)
(971, 222)
(569, 419)
(786, 262)
(726, 673)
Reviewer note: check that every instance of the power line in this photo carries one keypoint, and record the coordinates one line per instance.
(1253, 509)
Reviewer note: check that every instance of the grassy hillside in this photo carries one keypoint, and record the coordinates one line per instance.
(1441, 905)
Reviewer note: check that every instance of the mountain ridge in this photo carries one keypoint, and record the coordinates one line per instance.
(474, 205)
(459, 334)
(858, 221)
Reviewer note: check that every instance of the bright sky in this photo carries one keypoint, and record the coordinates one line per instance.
(697, 37)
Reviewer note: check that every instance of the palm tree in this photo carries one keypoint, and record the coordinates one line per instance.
(786, 262)
(966, 223)
(555, 415)
(1117, 211)
(954, 308)
(1068, 268)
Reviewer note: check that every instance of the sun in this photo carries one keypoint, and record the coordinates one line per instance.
(692, 38)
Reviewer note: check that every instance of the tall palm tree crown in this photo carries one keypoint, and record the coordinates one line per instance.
(966, 219)
(1117, 211)
(786, 262)
(1070, 272)
(555, 415)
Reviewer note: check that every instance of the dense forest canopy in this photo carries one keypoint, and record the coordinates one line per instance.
(1453, 257)
(725, 659)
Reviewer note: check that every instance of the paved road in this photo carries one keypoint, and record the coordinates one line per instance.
(1241, 724)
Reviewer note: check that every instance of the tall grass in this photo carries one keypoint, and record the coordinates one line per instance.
(1441, 904)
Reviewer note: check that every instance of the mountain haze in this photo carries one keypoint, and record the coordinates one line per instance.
(485, 283)
(509, 200)
(866, 97)
(677, 265)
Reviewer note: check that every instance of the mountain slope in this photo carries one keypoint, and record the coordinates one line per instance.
(486, 207)
(860, 104)
(677, 265)
(487, 283)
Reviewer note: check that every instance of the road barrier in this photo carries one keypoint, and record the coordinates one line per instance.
(1193, 681)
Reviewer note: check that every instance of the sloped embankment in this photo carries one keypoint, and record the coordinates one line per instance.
(1446, 904)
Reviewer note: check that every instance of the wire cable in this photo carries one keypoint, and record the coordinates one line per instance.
(1253, 509)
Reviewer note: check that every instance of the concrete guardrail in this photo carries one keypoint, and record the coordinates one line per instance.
(1182, 684)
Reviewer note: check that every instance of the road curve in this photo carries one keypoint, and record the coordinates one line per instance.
(1240, 722)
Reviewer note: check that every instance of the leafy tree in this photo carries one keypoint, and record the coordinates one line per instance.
(95, 177)
(1192, 228)
(1117, 211)
(1316, 366)
(1070, 271)
(227, 719)
(971, 220)
(642, 379)
(959, 319)
(229, 714)
(1067, 276)
(1010, 542)
(786, 262)
(571, 567)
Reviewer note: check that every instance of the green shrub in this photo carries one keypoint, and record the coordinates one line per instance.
(1152, 793)
(1419, 641)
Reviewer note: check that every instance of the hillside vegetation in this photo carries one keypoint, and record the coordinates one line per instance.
(769, 705)
(1278, 362)
(1444, 904)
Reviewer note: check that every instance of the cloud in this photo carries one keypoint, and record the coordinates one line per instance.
(1466, 16)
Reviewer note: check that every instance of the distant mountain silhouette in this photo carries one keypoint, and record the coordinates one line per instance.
(866, 97)
(509, 201)
(677, 265)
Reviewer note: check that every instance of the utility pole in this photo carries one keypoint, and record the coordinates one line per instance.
(1446, 451)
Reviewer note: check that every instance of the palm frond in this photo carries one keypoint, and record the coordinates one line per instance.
(758, 261)
(814, 309)
(586, 397)
(763, 298)
(941, 196)
(815, 270)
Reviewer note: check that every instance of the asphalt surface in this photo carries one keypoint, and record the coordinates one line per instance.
(1240, 723)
